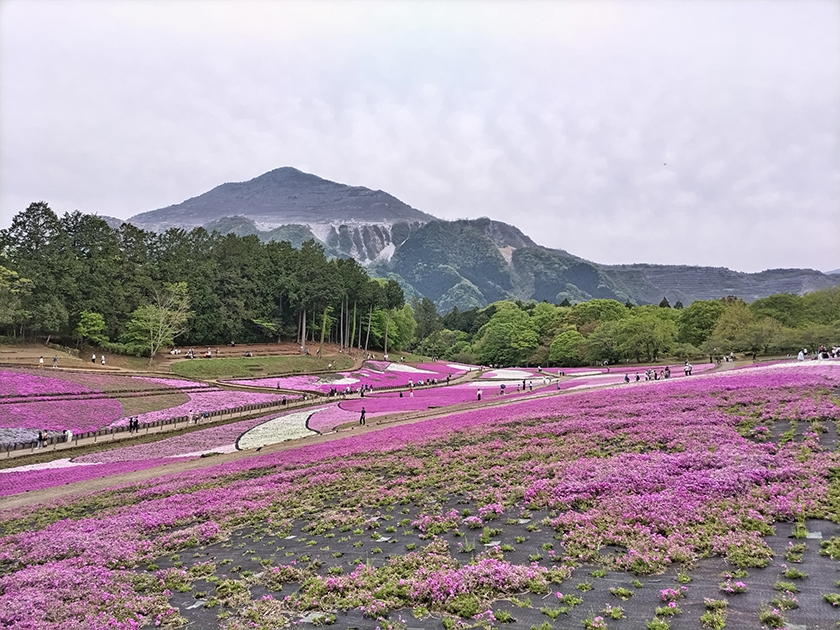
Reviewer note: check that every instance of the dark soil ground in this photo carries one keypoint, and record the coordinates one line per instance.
(247, 552)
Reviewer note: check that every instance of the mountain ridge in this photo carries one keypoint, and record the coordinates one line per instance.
(463, 263)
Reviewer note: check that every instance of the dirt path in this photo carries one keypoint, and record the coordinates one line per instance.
(48, 495)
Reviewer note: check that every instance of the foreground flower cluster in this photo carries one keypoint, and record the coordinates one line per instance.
(658, 474)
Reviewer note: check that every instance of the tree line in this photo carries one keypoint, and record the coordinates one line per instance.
(588, 333)
(76, 279)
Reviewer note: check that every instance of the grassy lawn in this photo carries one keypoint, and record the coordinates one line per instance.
(257, 366)
(135, 405)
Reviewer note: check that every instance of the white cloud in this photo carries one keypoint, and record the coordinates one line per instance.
(557, 117)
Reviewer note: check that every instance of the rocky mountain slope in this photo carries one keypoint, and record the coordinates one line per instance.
(455, 263)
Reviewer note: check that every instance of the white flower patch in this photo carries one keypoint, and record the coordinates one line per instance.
(402, 367)
(56, 463)
(520, 374)
(227, 448)
(489, 385)
(289, 427)
(459, 367)
(347, 380)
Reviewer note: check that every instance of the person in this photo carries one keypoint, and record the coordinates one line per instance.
(410, 391)
(637, 377)
(626, 378)
(40, 439)
(362, 417)
(68, 435)
(41, 362)
(687, 368)
(447, 379)
(93, 358)
(478, 394)
(55, 361)
(103, 359)
(800, 356)
(283, 402)
(502, 389)
(530, 386)
(667, 371)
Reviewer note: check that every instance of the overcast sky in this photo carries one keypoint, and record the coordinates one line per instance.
(668, 132)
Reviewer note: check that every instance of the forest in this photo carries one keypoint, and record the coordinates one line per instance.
(75, 280)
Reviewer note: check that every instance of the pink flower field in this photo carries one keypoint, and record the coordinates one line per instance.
(645, 483)
(49, 382)
(15, 482)
(201, 401)
(384, 375)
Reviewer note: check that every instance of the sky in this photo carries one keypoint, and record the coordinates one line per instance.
(676, 132)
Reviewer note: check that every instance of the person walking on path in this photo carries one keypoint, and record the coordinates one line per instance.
(40, 439)
(93, 358)
(55, 361)
(362, 417)
(478, 394)
(103, 359)
(41, 362)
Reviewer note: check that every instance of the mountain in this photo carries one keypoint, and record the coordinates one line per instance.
(352, 220)
(833, 272)
(462, 263)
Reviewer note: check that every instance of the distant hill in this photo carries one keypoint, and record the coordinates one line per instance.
(287, 196)
(455, 263)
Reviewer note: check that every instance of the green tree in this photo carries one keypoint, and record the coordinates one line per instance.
(13, 291)
(603, 343)
(566, 349)
(664, 303)
(786, 308)
(156, 325)
(91, 326)
(508, 338)
(823, 307)
(698, 320)
(36, 246)
(644, 335)
(732, 325)
(426, 315)
(595, 311)
(394, 298)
